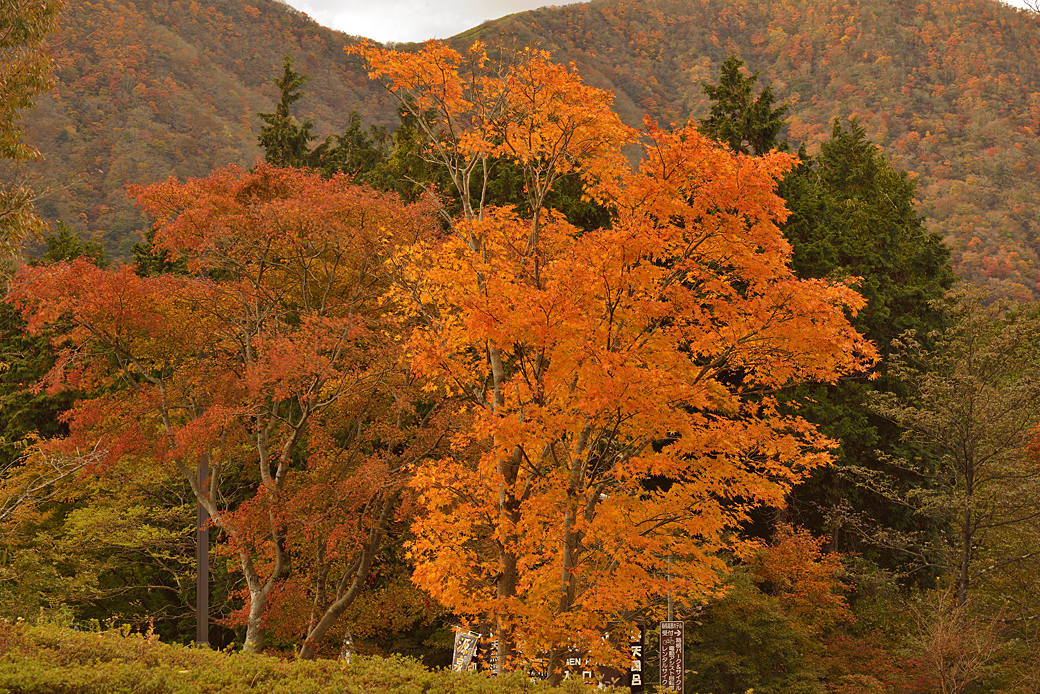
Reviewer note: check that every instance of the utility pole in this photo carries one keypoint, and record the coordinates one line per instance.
(671, 603)
(202, 560)
(673, 663)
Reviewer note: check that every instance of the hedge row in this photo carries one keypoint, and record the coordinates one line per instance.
(47, 659)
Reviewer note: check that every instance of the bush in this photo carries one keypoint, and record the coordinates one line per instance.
(49, 659)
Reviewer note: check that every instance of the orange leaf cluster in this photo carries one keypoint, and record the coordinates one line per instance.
(619, 378)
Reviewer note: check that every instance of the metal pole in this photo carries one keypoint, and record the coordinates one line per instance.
(202, 561)
(671, 604)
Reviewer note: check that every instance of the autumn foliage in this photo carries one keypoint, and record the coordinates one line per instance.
(579, 381)
(618, 379)
(946, 88)
(607, 392)
(272, 360)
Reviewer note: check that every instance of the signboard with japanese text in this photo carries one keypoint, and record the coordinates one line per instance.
(466, 643)
(481, 654)
(637, 649)
(634, 677)
(672, 665)
(486, 657)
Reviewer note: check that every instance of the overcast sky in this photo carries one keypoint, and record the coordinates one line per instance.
(410, 20)
(416, 20)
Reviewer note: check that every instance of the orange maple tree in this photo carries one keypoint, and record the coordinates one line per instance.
(619, 380)
(273, 359)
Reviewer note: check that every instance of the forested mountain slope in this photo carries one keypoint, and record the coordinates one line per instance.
(158, 88)
(950, 89)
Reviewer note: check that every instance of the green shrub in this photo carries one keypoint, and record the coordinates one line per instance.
(50, 659)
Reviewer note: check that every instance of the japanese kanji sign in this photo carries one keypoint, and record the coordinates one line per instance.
(672, 665)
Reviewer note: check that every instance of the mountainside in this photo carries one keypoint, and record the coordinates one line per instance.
(158, 88)
(950, 90)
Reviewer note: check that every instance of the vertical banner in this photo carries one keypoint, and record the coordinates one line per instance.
(634, 677)
(673, 669)
(466, 643)
(486, 657)
(637, 647)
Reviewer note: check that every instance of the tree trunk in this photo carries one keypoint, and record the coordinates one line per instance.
(506, 590)
(967, 532)
(965, 564)
(254, 632)
(568, 586)
(509, 513)
(260, 592)
(345, 596)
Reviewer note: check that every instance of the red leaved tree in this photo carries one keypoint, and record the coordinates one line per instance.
(274, 359)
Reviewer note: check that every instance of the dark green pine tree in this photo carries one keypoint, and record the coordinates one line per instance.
(852, 216)
(24, 413)
(748, 124)
(356, 152)
(66, 245)
(286, 142)
(150, 261)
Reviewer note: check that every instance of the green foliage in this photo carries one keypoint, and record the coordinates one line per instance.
(24, 413)
(973, 401)
(745, 641)
(114, 546)
(853, 218)
(356, 152)
(48, 659)
(748, 124)
(566, 197)
(150, 261)
(764, 631)
(284, 141)
(406, 171)
(66, 245)
(33, 585)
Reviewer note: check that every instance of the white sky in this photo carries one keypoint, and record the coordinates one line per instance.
(417, 20)
(411, 20)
